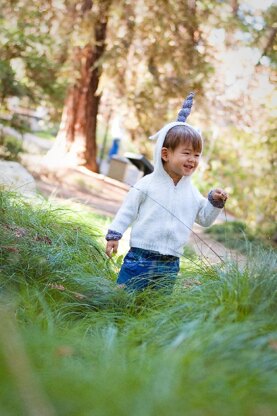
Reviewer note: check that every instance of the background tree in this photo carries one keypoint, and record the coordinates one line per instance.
(76, 139)
(158, 60)
(31, 52)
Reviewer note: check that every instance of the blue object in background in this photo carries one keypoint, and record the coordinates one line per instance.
(114, 148)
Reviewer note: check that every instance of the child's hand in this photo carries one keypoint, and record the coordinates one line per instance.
(219, 194)
(111, 247)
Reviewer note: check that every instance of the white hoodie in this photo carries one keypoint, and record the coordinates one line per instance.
(161, 213)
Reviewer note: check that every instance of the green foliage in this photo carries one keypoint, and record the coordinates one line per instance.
(30, 52)
(236, 235)
(158, 60)
(208, 349)
(9, 85)
(10, 148)
(19, 123)
(244, 164)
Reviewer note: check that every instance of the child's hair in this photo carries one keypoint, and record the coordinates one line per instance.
(183, 134)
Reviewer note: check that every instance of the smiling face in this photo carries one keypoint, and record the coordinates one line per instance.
(181, 151)
(182, 161)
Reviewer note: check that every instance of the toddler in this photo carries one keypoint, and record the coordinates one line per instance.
(162, 207)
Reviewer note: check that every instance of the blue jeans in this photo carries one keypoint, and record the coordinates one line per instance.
(142, 268)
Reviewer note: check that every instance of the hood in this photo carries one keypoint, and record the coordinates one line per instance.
(160, 137)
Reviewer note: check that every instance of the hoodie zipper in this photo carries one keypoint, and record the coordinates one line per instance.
(173, 196)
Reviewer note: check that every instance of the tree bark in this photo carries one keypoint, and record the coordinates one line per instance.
(235, 7)
(268, 44)
(76, 140)
(192, 25)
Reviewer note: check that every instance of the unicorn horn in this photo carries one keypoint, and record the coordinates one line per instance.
(186, 109)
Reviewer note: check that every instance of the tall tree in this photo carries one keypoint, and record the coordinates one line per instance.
(76, 139)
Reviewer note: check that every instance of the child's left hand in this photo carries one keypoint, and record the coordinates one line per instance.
(219, 194)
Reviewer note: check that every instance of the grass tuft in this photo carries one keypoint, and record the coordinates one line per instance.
(73, 344)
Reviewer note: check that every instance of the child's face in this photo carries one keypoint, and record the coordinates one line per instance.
(181, 161)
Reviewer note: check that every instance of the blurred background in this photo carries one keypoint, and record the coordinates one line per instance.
(91, 80)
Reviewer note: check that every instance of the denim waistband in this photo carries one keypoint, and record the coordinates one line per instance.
(153, 255)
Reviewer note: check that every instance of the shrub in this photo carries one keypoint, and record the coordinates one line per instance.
(10, 148)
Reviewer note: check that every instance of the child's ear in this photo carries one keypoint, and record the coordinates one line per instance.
(164, 154)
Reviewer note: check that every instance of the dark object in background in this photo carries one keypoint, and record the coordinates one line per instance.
(140, 162)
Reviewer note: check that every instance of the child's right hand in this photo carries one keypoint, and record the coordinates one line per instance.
(111, 247)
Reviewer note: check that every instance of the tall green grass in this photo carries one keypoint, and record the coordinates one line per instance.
(208, 349)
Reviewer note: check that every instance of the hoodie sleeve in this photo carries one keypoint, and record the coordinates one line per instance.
(128, 211)
(207, 213)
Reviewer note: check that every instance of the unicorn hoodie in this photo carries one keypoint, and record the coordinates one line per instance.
(160, 213)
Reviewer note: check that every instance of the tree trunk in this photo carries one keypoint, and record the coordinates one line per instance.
(269, 43)
(235, 7)
(75, 144)
(192, 24)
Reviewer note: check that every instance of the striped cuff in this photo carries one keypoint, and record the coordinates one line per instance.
(217, 204)
(113, 235)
